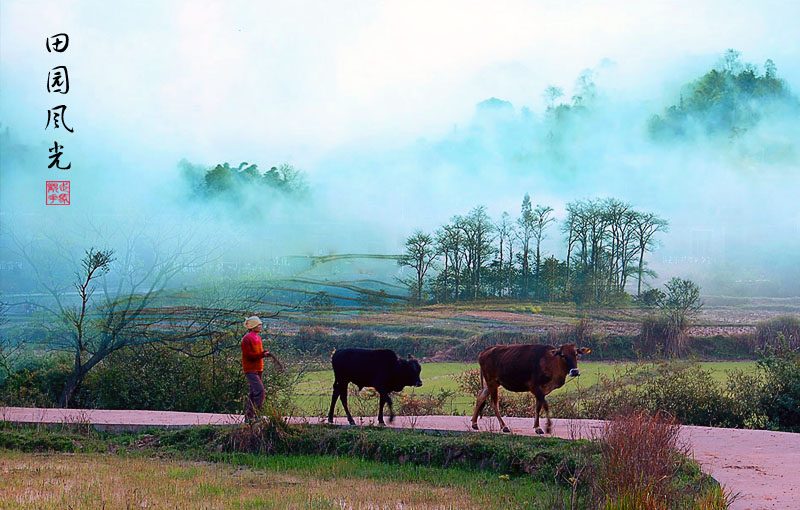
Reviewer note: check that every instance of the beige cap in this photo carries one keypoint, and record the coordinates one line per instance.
(252, 322)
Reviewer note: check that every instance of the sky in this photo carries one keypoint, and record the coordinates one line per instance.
(369, 98)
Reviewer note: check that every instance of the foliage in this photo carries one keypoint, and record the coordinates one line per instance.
(203, 377)
(35, 382)
(650, 298)
(475, 258)
(727, 100)
(780, 397)
(229, 183)
(666, 331)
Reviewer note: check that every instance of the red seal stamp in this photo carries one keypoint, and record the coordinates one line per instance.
(57, 192)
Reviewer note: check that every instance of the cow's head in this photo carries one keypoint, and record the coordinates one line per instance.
(569, 353)
(408, 371)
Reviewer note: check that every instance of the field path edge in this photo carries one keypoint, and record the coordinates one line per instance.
(763, 467)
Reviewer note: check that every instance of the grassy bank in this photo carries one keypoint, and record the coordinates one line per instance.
(267, 466)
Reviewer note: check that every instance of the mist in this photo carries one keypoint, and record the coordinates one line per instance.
(400, 115)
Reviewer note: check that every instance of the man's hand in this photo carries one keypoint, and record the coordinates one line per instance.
(266, 354)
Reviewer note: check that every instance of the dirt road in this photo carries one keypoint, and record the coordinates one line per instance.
(762, 466)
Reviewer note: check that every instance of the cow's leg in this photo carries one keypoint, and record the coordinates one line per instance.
(541, 403)
(536, 416)
(479, 404)
(333, 400)
(380, 409)
(496, 407)
(549, 427)
(391, 409)
(343, 398)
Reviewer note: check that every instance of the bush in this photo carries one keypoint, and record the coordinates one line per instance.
(662, 335)
(780, 397)
(425, 404)
(642, 461)
(202, 377)
(36, 382)
(767, 332)
(650, 298)
(684, 390)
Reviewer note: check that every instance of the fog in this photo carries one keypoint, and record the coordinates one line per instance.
(401, 115)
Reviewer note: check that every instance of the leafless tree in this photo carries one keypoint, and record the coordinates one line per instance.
(124, 301)
(504, 229)
(541, 220)
(525, 234)
(420, 254)
(645, 226)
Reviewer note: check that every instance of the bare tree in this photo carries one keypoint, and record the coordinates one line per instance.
(452, 243)
(525, 234)
(541, 219)
(503, 228)
(420, 254)
(132, 306)
(551, 94)
(8, 351)
(477, 229)
(645, 226)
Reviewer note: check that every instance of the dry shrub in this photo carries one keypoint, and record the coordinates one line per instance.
(268, 435)
(424, 404)
(662, 335)
(768, 332)
(641, 455)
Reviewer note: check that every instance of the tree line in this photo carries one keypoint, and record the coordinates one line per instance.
(474, 257)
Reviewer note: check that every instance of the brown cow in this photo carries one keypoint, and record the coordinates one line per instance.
(536, 368)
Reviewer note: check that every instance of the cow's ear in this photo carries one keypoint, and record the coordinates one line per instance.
(584, 350)
(554, 352)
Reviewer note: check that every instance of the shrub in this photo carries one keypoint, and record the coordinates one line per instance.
(642, 456)
(424, 404)
(767, 332)
(202, 377)
(36, 382)
(650, 298)
(661, 335)
(780, 398)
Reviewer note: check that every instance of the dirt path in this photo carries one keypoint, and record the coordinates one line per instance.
(762, 466)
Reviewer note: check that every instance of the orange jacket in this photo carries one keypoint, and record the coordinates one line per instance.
(252, 353)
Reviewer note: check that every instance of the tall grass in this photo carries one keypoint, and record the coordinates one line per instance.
(643, 467)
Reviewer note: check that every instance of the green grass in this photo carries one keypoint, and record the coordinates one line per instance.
(314, 391)
(516, 491)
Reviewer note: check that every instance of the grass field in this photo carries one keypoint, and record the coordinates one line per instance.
(314, 392)
(59, 481)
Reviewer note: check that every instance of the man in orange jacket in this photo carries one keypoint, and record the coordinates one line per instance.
(253, 355)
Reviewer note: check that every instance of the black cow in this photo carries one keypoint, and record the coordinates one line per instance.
(536, 368)
(375, 368)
